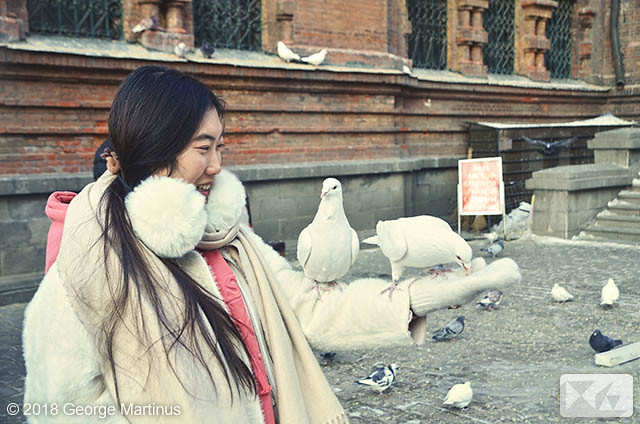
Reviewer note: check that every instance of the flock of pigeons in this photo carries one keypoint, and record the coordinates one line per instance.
(328, 247)
(608, 296)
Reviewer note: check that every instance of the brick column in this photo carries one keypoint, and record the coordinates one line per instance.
(535, 43)
(172, 28)
(584, 39)
(470, 37)
(284, 18)
(13, 24)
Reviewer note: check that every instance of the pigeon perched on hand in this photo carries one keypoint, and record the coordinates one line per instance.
(609, 294)
(146, 24)
(207, 50)
(419, 242)
(316, 58)
(560, 294)
(495, 249)
(328, 246)
(452, 330)
(549, 148)
(286, 53)
(459, 395)
(601, 343)
(380, 378)
(490, 300)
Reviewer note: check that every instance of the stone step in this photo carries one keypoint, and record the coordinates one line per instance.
(619, 207)
(635, 186)
(611, 233)
(629, 196)
(608, 219)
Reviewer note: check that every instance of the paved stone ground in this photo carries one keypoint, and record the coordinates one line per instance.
(513, 356)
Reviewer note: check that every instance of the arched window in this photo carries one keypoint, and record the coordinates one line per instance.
(558, 59)
(428, 38)
(78, 18)
(499, 24)
(232, 24)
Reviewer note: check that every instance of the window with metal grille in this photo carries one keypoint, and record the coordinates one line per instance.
(232, 24)
(499, 23)
(558, 31)
(78, 18)
(428, 39)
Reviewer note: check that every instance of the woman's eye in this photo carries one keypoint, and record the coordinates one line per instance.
(220, 146)
(204, 147)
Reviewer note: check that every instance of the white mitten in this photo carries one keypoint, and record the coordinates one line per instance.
(427, 294)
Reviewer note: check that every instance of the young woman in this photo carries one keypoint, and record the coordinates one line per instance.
(162, 306)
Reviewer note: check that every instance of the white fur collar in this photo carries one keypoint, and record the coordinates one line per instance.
(170, 216)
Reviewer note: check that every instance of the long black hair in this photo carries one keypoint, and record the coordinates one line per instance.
(155, 114)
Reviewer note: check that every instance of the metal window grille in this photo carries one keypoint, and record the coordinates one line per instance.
(232, 24)
(78, 18)
(499, 23)
(558, 31)
(428, 39)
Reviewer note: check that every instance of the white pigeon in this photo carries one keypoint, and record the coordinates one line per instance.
(609, 294)
(316, 58)
(181, 49)
(560, 294)
(420, 242)
(381, 378)
(328, 246)
(286, 53)
(459, 395)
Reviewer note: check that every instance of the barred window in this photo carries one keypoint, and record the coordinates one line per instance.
(558, 31)
(428, 39)
(77, 18)
(232, 24)
(499, 23)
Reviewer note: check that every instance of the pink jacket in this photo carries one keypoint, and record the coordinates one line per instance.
(56, 209)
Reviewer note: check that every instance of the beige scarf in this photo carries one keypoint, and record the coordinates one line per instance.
(303, 394)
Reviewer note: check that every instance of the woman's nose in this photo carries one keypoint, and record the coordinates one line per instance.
(215, 164)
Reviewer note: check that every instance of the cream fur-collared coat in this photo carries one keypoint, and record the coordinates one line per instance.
(63, 363)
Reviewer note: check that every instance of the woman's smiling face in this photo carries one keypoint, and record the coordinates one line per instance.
(201, 161)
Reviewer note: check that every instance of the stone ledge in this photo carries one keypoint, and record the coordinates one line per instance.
(622, 138)
(48, 183)
(579, 177)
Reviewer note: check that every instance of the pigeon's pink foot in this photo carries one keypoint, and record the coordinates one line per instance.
(318, 288)
(442, 272)
(391, 289)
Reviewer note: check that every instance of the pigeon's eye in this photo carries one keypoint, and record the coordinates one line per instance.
(458, 257)
(335, 187)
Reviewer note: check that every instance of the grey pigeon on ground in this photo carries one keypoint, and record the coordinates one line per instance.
(380, 378)
(419, 242)
(491, 300)
(207, 50)
(328, 246)
(316, 58)
(495, 249)
(452, 330)
(549, 148)
(459, 395)
(601, 343)
(286, 53)
(328, 356)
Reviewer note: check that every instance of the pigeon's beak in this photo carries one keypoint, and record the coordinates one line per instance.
(467, 268)
(324, 193)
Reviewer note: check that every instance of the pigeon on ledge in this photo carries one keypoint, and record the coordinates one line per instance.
(316, 58)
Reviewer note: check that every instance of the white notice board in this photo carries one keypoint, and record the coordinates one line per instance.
(480, 187)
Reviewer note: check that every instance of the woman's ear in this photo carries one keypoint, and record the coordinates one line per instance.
(167, 214)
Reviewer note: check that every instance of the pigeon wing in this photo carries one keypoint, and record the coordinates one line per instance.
(304, 246)
(392, 240)
(565, 142)
(534, 142)
(355, 246)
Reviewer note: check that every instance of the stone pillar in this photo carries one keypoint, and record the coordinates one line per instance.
(172, 29)
(175, 16)
(618, 147)
(284, 19)
(535, 43)
(470, 37)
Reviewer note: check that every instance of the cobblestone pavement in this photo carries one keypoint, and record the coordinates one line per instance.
(513, 356)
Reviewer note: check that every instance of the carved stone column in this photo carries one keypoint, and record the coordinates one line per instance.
(13, 20)
(535, 43)
(175, 16)
(284, 20)
(171, 29)
(584, 39)
(470, 38)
